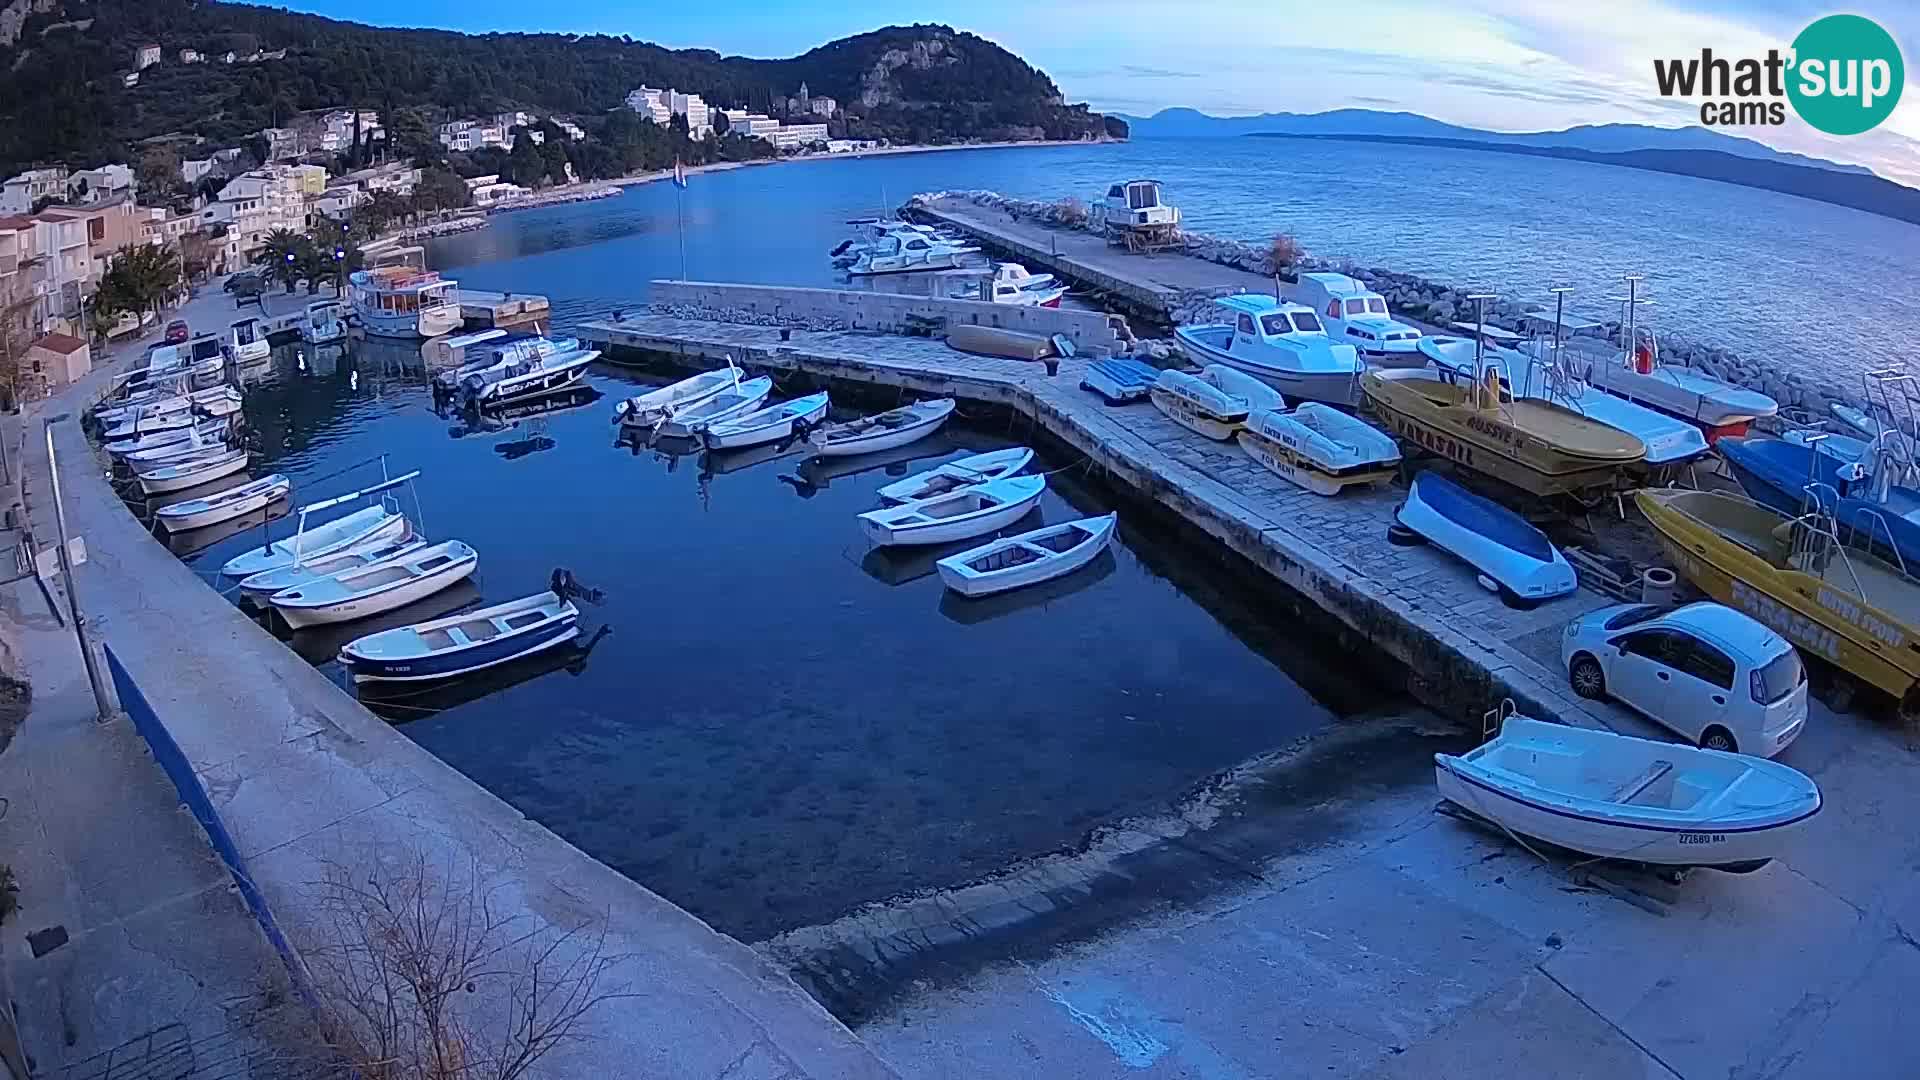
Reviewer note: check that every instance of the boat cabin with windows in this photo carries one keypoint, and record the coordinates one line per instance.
(1358, 316)
(1281, 343)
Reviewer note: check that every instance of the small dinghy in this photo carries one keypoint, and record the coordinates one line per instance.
(882, 431)
(686, 421)
(771, 424)
(1199, 406)
(141, 424)
(1516, 558)
(1119, 380)
(1029, 558)
(652, 407)
(996, 341)
(257, 587)
(205, 434)
(1319, 447)
(459, 644)
(959, 515)
(224, 506)
(973, 469)
(179, 454)
(377, 587)
(368, 525)
(1618, 797)
(192, 472)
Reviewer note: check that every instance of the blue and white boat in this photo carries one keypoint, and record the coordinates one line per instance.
(1120, 380)
(493, 350)
(257, 587)
(771, 424)
(459, 644)
(527, 377)
(378, 587)
(370, 525)
(1787, 475)
(1283, 345)
(1516, 558)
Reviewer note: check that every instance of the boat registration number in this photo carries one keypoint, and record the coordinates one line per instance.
(1690, 838)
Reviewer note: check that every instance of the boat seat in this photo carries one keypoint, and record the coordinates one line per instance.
(1632, 788)
(525, 619)
(479, 629)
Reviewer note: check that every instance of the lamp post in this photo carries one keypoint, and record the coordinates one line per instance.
(290, 261)
(339, 270)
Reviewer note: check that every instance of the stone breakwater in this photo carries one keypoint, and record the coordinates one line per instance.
(744, 317)
(1433, 302)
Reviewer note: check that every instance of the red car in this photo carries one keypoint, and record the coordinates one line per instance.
(177, 332)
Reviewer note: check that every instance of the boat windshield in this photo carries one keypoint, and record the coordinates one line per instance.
(1377, 305)
(1274, 325)
(1306, 322)
(1142, 197)
(1778, 678)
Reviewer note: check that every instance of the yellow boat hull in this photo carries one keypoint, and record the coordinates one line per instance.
(1288, 465)
(1874, 637)
(1195, 418)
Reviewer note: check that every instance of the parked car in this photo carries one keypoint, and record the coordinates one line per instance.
(1704, 671)
(177, 332)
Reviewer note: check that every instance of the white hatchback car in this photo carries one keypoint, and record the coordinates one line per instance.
(1705, 671)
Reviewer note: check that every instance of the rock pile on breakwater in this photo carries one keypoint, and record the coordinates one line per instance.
(1429, 301)
(745, 317)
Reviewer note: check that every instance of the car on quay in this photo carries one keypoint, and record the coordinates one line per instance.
(1703, 671)
(178, 332)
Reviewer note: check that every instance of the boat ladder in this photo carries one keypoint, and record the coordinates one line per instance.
(1891, 402)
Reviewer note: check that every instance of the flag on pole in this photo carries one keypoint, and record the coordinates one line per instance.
(679, 174)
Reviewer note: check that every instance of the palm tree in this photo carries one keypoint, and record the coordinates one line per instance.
(279, 258)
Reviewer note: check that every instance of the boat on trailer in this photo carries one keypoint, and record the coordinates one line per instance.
(1319, 447)
(770, 424)
(1198, 405)
(956, 474)
(1618, 797)
(372, 589)
(648, 409)
(1637, 374)
(959, 515)
(881, 431)
(460, 644)
(687, 421)
(225, 505)
(1516, 558)
(1029, 558)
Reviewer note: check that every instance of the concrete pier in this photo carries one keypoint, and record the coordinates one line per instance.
(1464, 650)
(485, 310)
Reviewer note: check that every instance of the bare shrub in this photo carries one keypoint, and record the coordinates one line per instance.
(1071, 212)
(424, 977)
(1284, 250)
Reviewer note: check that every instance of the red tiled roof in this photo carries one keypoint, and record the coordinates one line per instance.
(60, 343)
(16, 221)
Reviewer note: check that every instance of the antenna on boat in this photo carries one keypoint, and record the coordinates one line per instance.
(1480, 347)
(1276, 286)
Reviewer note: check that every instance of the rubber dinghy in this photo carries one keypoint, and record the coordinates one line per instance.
(459, 644)
(1319, 447)
(1198, 405)
(1029, 558)
(961, 515)
(954, 475)
(881, 431)
(1517, 558)
(1618, 797)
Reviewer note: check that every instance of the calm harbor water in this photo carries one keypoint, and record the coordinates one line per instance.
(1822, 290)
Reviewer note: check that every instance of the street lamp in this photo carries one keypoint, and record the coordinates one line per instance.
(339, 270)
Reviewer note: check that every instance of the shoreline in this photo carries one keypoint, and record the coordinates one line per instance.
(636, 179)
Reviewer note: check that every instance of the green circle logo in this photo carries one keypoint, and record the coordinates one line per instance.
(1847, 74)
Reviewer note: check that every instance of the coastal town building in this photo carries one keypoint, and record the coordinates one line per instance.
(655, 105)
(131, 78)
(18, 195)
(105, 183)
(574, 131)
(699, 115)
(796, 136)
(193, 169)
(806, 104)
(25, 283)
(145, 57)
(466, 136)
(251, 206)
(51, 364)
(191, 56)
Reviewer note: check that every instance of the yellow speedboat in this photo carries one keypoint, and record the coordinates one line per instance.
(1847, 606)
(1534, 445)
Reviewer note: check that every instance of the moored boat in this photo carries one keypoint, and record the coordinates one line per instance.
(687, 421)
(258, 587)
(377, 587)
(459, 644)
(404, 302)
(1789, 476)
(881, 431)
(1518, 559)
(1357, 315)
(959, 515)
(1618, 797)
(223, 506)
(1283, 345)
(908, 251)
(1638, 374)
(527, 377)
(1198, 405)
(956, 474)
(192, 472)
(166, 446)
(322, 324)
(372, 524)
(1319, 447)
(246, 343)
(766, 425)
(648, 409)
(1029, 558)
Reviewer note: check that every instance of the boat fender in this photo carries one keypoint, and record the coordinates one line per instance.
(1643, 360)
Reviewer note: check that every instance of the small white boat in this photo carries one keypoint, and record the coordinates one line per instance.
(178, 454)
(650, 408)
(1283, 345)
(1236, 383)
(1319, 447)
(258, 587)
(1618, 797)
(882, 431)
(1029, 558)
(246, 343)
(686, 421)
(214, 401)
(905, 252)
(322, 324)
(378, 587)
(958, 515)
(460, 644)
(531, 376)
(368, 525)
(771, 424)
(1199, 406)
(206, 433)
(139, 424)
(973, 469)
(1357, 315)
(1012, 284)
(1514, 557)
(192, 472)
(224, 506)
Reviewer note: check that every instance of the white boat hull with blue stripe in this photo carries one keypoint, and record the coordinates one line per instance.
(1500, 544)
(460, 644)
(370, 590)
(964, 514)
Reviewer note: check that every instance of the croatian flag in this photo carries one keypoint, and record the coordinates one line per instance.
(679, 174)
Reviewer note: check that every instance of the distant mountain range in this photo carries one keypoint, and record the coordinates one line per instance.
(1600, 138)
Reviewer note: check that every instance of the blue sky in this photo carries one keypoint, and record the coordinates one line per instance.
(1510, 65)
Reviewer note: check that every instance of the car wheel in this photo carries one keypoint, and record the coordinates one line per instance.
(1719, 738)
(1587, 677)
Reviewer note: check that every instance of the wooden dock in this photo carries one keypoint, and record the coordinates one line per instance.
(1464, 649)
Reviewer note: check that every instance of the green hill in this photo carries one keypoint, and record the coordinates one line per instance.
(62, 98)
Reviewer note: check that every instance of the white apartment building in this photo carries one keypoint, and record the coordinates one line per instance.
(145, 57)
(795, 136)
(192, 170)
(465, 136)
(18, 195)
(105, 182)
(282, 143)
(336, 202)
(254, 204)
(699, 115)
(655, 105)
(574, 131)
(742, 122)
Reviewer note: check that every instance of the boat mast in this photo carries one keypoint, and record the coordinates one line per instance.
(1480, 350)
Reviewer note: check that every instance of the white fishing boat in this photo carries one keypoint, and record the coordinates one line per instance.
(686, 421)
(1511, 556)
(215, 401)
(179, 454)
(323, 323)
(377, 587)
(1637, 374)
(1357, 315)
(465, 643)
(206, 355)
(532, 376)
(1283, 345)
(376, 524)
(902, 253)
(958, 515)
(404, 302)
(1012, 284)
(493, 351)
(1029, 558)
(882, 431)
(771, 424)
(1618, 797)
(870, 233)
(207, 432)
(1198, 405)
(224, 506)
(1319, 447)
(648, 409)
(139, 424)
(192, 472)
(246, 343)
(257, 587)
(954, 475)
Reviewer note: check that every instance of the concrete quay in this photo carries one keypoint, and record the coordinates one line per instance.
(1464, 650)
